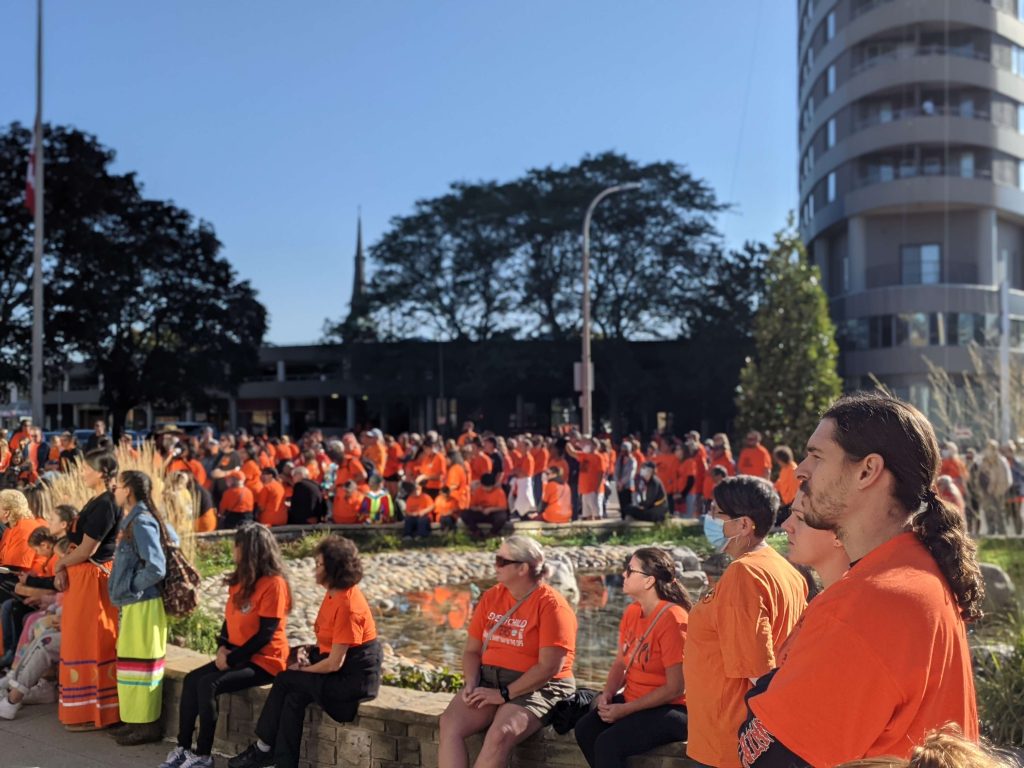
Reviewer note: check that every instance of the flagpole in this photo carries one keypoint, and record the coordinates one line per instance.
(37, 257)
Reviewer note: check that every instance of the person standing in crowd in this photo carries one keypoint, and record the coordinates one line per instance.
(270, 504)
(457, 480)
(642, 705)
(626, 470)
(480, 463)
(541, 457)
(737, 628)
(695, 498)
(139, 568)
(948, 491)
(591, 474)
(88, 653)
(523, 501)
(906, 666)
(953, 465)
(994, 479)
(344, 669)
(99, 431)
(786, 485)
(236, 503)
(754, 458)
(650, 503)
(1015, 494)
(517, 662)
(252, 646)
(721, 456)
(226, 463)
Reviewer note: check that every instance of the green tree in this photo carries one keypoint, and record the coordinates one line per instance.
(791, 377)
(134, 287)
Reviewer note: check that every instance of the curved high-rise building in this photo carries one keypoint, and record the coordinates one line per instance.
(911, 135)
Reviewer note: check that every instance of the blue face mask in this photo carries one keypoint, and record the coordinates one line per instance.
(714, 530)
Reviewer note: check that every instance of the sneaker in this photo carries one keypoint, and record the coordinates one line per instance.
(43, 692)
(252, 757)
(176, 758)
(8, 710)
(198, 761)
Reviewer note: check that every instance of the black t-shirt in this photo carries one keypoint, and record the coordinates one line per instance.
(98, 520)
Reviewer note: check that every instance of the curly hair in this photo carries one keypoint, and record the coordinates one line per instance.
(342, 566)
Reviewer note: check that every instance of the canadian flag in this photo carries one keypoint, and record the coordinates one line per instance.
(30, 181)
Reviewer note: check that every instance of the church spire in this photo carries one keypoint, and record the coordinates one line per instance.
(359, 278)
(358, 325)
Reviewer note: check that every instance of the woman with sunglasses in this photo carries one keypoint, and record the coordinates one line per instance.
(642, 705)
(738, 627)
(517, 663)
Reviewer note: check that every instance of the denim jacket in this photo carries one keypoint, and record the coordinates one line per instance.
(139, 563)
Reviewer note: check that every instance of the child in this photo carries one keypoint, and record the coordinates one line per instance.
(445, 510)
(14, 611)
(377, 506)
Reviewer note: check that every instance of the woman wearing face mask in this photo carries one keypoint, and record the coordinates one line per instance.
(738, 627)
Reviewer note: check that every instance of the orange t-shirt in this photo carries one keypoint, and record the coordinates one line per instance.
(198, 471)
(271, 504)
(754, 461)
(465, 437)
(686, 469)
(540, 459)
(662, 648)
(376, 454)
(14, 548)
(393, 463)
(734, 634)
(433, 465)
(885, 642)
(350, 468)
(251, 470)
(485, 499)
(522, 464)
(725, 460)
(346, 510)
(418, 505)
(480, 464)
(238, 500)
(666, 467)
(344, 618)
(557, 503)
(269, 600)
(787, 485)
(591, 472)
(444, 506)
(562, 465)
(458, 485)
(545, 620)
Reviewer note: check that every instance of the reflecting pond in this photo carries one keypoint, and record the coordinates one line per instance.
(430, 626)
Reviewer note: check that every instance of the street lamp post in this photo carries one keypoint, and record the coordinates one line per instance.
(585, 378)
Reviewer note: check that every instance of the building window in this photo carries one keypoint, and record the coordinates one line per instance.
(830, 25)
(830, 133)
(831, 186)
(1017, 60)
(830, 77)
(1020, 174)
(846, 273)
(885, 112)
(967, 165)
(921, 264)
(1020, 113)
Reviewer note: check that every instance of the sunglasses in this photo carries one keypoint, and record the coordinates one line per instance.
(501, 562)
(629, 571)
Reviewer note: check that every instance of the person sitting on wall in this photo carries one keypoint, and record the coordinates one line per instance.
(377, 505)
(418, 510)
(650, 499)
(237, 504)
(308, 506)
(556, 499)
(487, 503)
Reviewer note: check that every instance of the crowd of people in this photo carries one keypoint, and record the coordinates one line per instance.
(746, 672)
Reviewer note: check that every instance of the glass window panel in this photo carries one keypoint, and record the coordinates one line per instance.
(830, 25)
(965, 329)
(886, 172)
(967, 165)
(979, 329)
(831, 187)
(966, 106)
(936, 330)
(830, 77)
(952, 329)
(918, 329)
(830, 132)
(931, 264)
(901, 330)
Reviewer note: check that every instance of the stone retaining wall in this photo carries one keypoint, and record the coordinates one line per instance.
(398, 728)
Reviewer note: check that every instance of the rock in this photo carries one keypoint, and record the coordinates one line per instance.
(563, 578)
(1000, 592)
(686, 559)
(694, 581)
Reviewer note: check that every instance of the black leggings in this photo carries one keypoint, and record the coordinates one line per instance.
(199, 695)
(607, 745)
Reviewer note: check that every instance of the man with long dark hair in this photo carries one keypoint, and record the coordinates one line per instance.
(881, 657)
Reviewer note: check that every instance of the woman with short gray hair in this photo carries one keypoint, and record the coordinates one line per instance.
(517, 663)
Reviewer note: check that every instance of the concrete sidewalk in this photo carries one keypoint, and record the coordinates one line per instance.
(36, 739)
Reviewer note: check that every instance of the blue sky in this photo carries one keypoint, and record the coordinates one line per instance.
(275, 121)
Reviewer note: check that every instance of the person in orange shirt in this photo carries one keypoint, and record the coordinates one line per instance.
(270, 504)
(754, 458)
(953, 466)
(251, 469)
(591, 477)
(446, 512)
(374, 449)
(737, 628)
(556, 499)
(787, 485)
(15, 551)
(418, 508)
(431, 467)
(642, 705)
(457, 480)
(345, 510)
(904, 666)
(695, 498)
(480, 463)
(21, 436)
(393, 464)
(252, 647)
(468, 434)
(666, 466)
(237, 504)
(721, 456)
(486, 503)
(517, 661)
(541, 456)
(343, 669)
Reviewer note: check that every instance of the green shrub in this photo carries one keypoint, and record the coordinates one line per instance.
(198, 631)
(1000, 688)
(443, 681)
(214, 557)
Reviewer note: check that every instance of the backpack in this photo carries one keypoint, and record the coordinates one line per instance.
(180, 588)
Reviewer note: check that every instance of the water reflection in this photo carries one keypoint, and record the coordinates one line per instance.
(430, 626)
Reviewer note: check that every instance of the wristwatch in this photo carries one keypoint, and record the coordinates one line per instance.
(503, 690)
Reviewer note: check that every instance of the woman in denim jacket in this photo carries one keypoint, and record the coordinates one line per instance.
(135, 588)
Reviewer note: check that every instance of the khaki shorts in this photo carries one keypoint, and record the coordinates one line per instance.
(539, 703)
